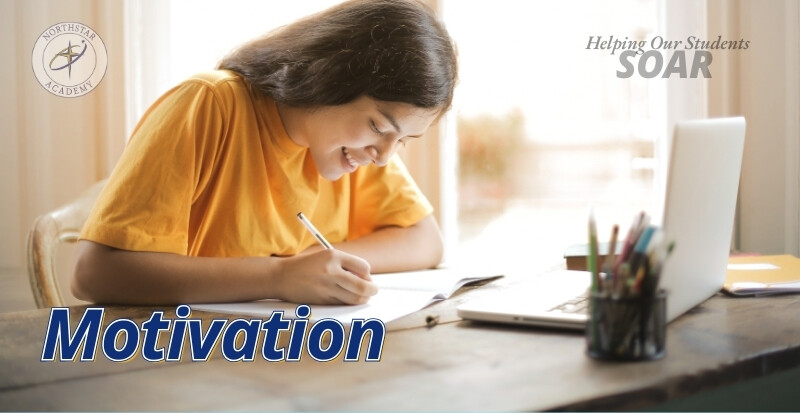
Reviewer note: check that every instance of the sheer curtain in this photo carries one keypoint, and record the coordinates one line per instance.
(52, 148)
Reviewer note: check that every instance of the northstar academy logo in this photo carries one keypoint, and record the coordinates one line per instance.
(69, 59)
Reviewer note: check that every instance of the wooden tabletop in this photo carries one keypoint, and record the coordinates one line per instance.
(454, 365)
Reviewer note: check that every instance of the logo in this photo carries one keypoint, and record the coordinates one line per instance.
(69, 59)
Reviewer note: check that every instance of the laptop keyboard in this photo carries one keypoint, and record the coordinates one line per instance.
(577, 305)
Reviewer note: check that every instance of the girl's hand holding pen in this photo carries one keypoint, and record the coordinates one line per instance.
(328, 276)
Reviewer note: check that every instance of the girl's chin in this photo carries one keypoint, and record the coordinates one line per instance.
(333, 171)
(332, 175)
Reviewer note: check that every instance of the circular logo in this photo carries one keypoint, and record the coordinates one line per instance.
(69, 59)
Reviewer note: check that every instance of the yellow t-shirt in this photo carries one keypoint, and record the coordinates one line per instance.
(210, 171)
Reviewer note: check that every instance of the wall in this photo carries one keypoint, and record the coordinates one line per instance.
(762, 83)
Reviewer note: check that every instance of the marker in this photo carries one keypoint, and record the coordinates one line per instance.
(313, 230)
(644, 239)
(640, 250)
(627, 245)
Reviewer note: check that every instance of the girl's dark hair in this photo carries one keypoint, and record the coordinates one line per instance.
(389, 50)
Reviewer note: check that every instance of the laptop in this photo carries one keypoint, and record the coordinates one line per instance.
(700, 202)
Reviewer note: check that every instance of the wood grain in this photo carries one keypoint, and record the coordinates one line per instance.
(454, 365)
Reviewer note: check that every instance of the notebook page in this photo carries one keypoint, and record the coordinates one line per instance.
(441, 283)
(386, 305)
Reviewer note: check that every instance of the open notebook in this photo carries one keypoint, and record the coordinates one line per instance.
(399, 294)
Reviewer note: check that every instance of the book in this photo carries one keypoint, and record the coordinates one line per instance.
(576, 254)
(762, 275)
(399, 294)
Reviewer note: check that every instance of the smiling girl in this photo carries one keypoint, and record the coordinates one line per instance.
(201, 207)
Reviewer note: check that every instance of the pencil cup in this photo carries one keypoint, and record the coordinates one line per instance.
(627, 328)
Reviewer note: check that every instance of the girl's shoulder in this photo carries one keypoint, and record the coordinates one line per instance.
(216, 78)
(226, 87)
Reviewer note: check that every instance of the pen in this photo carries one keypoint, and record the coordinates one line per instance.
(609, 267)
(593, 251)
(659, 255)
(622, 281)
(626, 245)
(313, 230)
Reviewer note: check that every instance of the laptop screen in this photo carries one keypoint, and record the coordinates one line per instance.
(700, 203)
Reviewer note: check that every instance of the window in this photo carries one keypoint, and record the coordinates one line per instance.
(202, 32)
(545, 127)
(168, 41)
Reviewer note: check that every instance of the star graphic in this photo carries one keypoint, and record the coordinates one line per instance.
(70, 55)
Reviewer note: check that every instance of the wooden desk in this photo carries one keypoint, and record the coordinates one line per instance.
(455, 365)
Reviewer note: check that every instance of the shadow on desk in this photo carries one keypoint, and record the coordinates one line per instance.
(489, 326)
(773, 393)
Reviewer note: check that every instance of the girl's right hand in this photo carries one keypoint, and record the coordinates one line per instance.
(325, 277)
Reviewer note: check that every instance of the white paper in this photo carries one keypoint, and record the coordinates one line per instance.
(763, 289)
(398, 294)
(758, 266)
(441, 282)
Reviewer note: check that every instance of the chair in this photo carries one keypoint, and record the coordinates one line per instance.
(49, 230)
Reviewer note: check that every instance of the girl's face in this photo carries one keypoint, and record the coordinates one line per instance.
(342, 138)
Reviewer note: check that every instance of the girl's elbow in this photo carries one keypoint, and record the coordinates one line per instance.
(82, 280)
(434, 244)
(87, 278)
(437, 252)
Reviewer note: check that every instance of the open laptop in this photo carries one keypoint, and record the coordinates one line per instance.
(700, 202)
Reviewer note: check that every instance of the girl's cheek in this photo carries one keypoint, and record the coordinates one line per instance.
(358, 138)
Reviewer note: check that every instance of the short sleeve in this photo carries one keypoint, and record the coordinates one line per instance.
(385, 196)
(147, 202)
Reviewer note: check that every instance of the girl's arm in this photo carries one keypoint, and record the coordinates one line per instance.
(393, 249)
(109, 275)
(105, 274)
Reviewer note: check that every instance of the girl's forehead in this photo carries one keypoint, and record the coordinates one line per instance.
(405, 109)
(407, 119)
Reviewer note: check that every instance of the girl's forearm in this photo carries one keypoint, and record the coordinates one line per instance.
(395, 249)
(108, 275)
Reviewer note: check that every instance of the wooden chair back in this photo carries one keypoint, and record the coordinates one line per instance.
(48, 231)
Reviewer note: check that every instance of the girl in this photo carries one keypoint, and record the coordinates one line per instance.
(201, 206)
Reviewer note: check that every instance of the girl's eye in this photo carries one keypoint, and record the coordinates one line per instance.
(375, 128)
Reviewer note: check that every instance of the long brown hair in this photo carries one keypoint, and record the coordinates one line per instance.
(389, 50)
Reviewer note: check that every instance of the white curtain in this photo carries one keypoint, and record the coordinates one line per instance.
(52, 148)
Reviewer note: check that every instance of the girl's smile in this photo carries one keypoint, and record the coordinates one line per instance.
(344, 137)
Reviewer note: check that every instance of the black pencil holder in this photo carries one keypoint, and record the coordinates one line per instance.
(627, 328)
